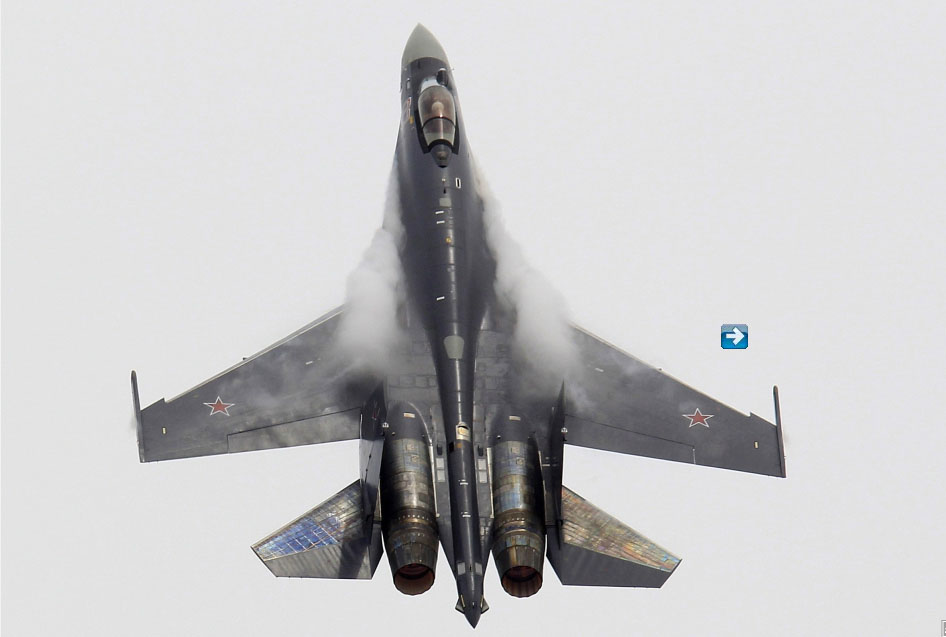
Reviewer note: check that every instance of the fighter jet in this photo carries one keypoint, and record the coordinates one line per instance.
(462, 436)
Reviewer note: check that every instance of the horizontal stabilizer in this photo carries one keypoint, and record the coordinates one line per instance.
(333, 540)
(596, 549)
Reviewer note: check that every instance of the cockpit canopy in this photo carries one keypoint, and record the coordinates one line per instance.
(438, 115)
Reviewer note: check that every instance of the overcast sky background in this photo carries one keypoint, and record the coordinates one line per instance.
(186, 183)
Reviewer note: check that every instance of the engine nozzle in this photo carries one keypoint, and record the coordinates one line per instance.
(408, 519)
(519, 540)
(414, 579)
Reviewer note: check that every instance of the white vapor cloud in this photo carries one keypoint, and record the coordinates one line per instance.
(542, 343)
(369, 330)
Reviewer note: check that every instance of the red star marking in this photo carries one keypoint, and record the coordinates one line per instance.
(219, 407)
(696, 418)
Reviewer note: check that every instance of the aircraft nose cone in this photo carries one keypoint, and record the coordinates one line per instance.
(422, 44)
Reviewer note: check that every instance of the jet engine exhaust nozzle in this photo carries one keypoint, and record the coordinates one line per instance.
(408, 521)
(519, 545)
(414, 579)
(522, 581)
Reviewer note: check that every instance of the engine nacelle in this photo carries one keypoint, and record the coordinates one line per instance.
(408, 518)
(519, 535)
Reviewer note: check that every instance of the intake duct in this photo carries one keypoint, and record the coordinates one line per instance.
(519, 536)
(408, 519)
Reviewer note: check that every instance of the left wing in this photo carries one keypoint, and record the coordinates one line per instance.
(619, 403)
(292, 393)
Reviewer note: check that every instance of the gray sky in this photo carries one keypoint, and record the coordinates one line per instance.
(185, 183)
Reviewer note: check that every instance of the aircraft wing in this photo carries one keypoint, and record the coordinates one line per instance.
(292, 393)
(619, 403)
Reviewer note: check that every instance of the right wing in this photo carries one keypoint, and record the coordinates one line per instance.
(292, 393)
(619, 403)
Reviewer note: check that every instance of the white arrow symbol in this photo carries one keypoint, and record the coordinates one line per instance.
(736, 336)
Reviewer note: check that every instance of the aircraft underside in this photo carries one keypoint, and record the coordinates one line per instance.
(463, 432)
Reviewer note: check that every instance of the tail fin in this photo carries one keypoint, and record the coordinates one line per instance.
(596, 549)
(336, 539)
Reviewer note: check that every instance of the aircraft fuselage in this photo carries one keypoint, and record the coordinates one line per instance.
(449, 272)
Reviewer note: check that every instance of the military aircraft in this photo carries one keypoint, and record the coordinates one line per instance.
(462, 436)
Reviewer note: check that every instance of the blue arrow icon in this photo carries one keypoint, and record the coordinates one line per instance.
(734, 336)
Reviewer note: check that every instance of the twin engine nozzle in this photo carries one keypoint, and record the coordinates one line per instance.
(408, 513)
